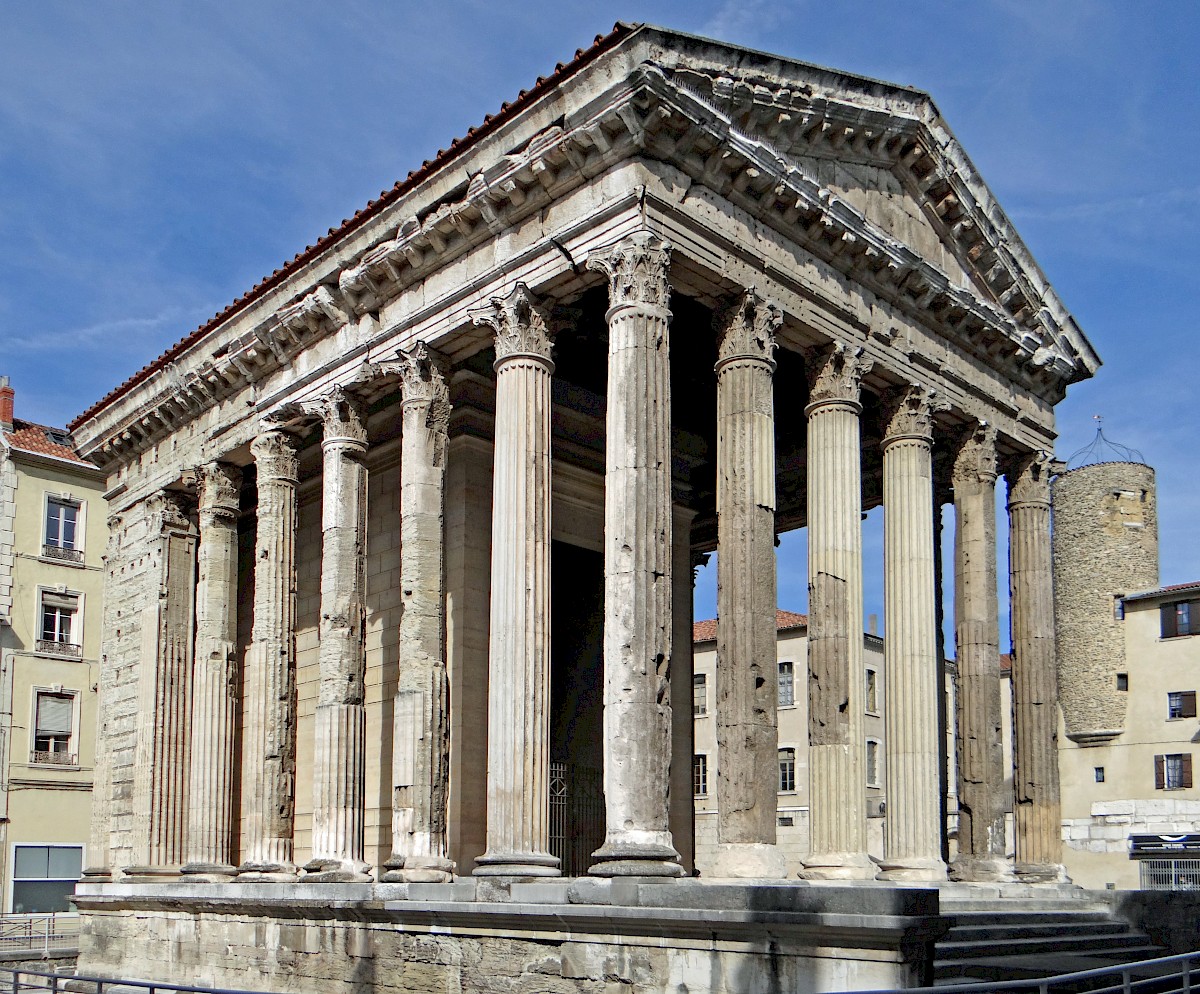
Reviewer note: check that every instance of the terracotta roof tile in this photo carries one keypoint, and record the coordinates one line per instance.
(706, 631)
(29, 437)
(386, 197)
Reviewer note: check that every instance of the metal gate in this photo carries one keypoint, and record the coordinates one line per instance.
(1170, 874)
(576, 816)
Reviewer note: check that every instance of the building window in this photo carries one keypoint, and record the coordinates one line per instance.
(1099, 771)
(59, 628)
(873, 763)
(1180, 618)
(64, 536)
(872, 691)
(44, 877)
(787, 771)
(700, 775)
(1181, 704)
(1173, 771)
(53, 723)
(787, 685)
(699, 694)
(1122, 681)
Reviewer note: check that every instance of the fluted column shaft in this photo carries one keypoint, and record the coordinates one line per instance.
(637, 562)
(981, 847)
(912, 773)
(161, 771)
(518, 789)
(214, 677)
(340, 722)
(836, 755)
(269, 735)
(1036, 802)
(421, 722)
(747, 670)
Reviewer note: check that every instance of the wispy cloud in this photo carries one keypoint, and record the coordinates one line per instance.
(123, 334)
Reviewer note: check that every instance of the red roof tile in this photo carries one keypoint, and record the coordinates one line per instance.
(29, 437)
(706, 631)
(386, 197)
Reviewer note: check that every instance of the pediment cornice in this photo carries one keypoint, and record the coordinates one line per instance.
(730, 140)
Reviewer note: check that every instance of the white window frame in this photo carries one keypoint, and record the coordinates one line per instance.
(699, 680)
(76, 638)
(877, 779)
(703, 758)
(12, 861)
(791, 680)
(869, 706)
(780, 758)
(80, 522)
(73, 741)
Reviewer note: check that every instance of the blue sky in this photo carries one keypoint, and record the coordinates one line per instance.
(156, 160)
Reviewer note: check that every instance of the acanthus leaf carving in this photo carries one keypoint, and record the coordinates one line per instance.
(909, 411)
(746, 327)
(835, 374)
(975, 458)
(423, 385)
(275, 455)
(343, 415)
(521, 324)
(636, 268)
(218, 487)
(1029, 477)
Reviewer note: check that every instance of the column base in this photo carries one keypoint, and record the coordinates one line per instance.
(418, 870)
(336, 871)
(1041, 873)
(916, 868)
(516, 864)
(256, 871)
(839, 866)
(981, 869)
(208, 872)
(640, 854)
(151, 874)
(749, 860)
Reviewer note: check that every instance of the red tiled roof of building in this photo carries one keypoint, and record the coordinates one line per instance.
(387, 197)
(1005, 662)
(706, 631)
(1180, 586)
(29, 437)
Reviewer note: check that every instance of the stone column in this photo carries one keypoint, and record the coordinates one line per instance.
(421, 722)
(1036, 805)
(913, 829)
(637, 561)
(269, 731)
(747, 668)
(836, 732)
(341, 716)
(164, 681)
(215, 698)
(980, 760)
(518, 790)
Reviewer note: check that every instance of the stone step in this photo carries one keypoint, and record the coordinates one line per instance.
(1007, 930)
(1003, 968)
(976, 918)
(1023, 945)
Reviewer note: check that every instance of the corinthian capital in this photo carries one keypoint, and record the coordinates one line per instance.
(746, 329)
(636, 268)
(343, 416)
(275, 456)
(218, 486)
(423, 386)
(521, 324)
(170, 510)
(909, 412)
(835, 374)
(1029, 478)
(975, 460)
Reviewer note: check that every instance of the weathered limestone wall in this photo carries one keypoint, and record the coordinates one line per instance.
(1105, 544)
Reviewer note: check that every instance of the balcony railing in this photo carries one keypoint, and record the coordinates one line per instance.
(40, 757)
(58, 552)
(68, 650)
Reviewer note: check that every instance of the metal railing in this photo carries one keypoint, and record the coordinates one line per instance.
(53, 648)
(39, 934)
(58, 552)
(39, 980)
(43, 757)
(1167, 975)
(1170, 874)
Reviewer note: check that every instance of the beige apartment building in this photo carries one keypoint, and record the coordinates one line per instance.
(792, 831)
(52, 538)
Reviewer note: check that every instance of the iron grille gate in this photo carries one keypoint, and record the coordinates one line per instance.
(576, 816)
(1170, 874)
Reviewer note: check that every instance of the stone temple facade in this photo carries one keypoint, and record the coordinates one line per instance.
(410, 527)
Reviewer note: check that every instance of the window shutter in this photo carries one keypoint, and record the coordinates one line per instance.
(1187, 770)
(1189, 704)
(1160, 773)
(54, 714)
(1167, 613)
(68, 602)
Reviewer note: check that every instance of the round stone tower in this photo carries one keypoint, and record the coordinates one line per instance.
(1105, 546)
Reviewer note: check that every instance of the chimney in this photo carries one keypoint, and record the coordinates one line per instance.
(872, 624)
(6, 404)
